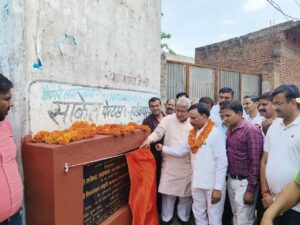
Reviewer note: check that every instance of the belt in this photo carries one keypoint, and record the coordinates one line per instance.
(7, 221)
(238, 177)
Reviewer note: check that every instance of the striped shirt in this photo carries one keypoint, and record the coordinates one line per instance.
(244, 150)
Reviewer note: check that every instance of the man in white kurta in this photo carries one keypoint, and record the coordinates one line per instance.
(176, 172)
(209, 165)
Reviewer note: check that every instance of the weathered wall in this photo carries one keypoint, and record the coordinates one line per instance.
(77, 50)
(96, 60)
(163, 78)
(65, 51)
(261, 52)
(12, 60)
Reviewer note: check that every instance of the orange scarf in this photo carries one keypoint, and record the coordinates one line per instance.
(196, 143)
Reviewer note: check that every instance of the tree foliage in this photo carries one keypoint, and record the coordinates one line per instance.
(164, 46)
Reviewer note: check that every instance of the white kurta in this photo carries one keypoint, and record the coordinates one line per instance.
(209, 163)
(176, 172)
(215, 115)
(257, 120)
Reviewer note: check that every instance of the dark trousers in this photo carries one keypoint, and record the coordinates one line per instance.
(259, 208)
(14, 220)
(227, 214)
(290, 217)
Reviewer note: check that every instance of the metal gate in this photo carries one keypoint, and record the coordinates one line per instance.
(201, 82)
(176, 79)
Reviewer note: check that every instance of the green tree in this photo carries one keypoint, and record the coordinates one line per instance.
(165, 46)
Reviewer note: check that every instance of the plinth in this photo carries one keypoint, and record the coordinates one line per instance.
(79, 183)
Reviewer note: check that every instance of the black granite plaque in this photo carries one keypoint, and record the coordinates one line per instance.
(106, 187)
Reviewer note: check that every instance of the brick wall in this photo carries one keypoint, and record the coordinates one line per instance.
(267, 52)
(290, 59)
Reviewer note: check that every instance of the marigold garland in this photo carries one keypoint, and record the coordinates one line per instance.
(83, 130)
(196, 143)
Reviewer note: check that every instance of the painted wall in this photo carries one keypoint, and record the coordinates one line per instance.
(95, 55)
(101, 44)
(111, 48)
(12, 61)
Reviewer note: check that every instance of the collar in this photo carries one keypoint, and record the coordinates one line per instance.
(294, 123)
(154, 117)
(239, 126)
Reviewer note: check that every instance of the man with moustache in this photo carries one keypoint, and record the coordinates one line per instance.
(11, 188)
(267, 110)
(176, 172)
(170, 106)
(209, 165)
(282, 151)
(244, 149)
(225, 95)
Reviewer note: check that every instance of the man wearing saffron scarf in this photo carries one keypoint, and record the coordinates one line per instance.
(176, 172)
(206, 145)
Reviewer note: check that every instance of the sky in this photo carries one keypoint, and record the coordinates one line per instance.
(196, 23)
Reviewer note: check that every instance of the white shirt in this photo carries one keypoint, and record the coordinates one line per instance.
(215, 115)
(257, 120)
(209, 163)
(282, 143)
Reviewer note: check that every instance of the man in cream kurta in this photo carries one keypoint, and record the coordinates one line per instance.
(176, 172)
(209, 165)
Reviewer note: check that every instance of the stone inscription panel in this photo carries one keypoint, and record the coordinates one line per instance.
(106, 188)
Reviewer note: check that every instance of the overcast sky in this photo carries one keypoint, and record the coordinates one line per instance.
(196, 23)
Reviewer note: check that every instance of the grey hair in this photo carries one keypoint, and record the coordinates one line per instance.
(184, 101)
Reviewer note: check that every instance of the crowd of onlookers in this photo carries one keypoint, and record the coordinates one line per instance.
(229, 163)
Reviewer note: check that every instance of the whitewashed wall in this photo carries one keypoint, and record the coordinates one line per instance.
(54, 105)
(110, 46)
(107, 47)
(12, 61)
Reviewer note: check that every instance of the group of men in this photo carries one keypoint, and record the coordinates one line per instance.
(204, 153)
(226, 161)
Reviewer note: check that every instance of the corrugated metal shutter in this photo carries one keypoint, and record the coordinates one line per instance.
(251, 85)
(201, 82)
(232, 80)
(176, 79)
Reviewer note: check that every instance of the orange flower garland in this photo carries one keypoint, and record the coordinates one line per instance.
(196, 143)
(83, 130)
